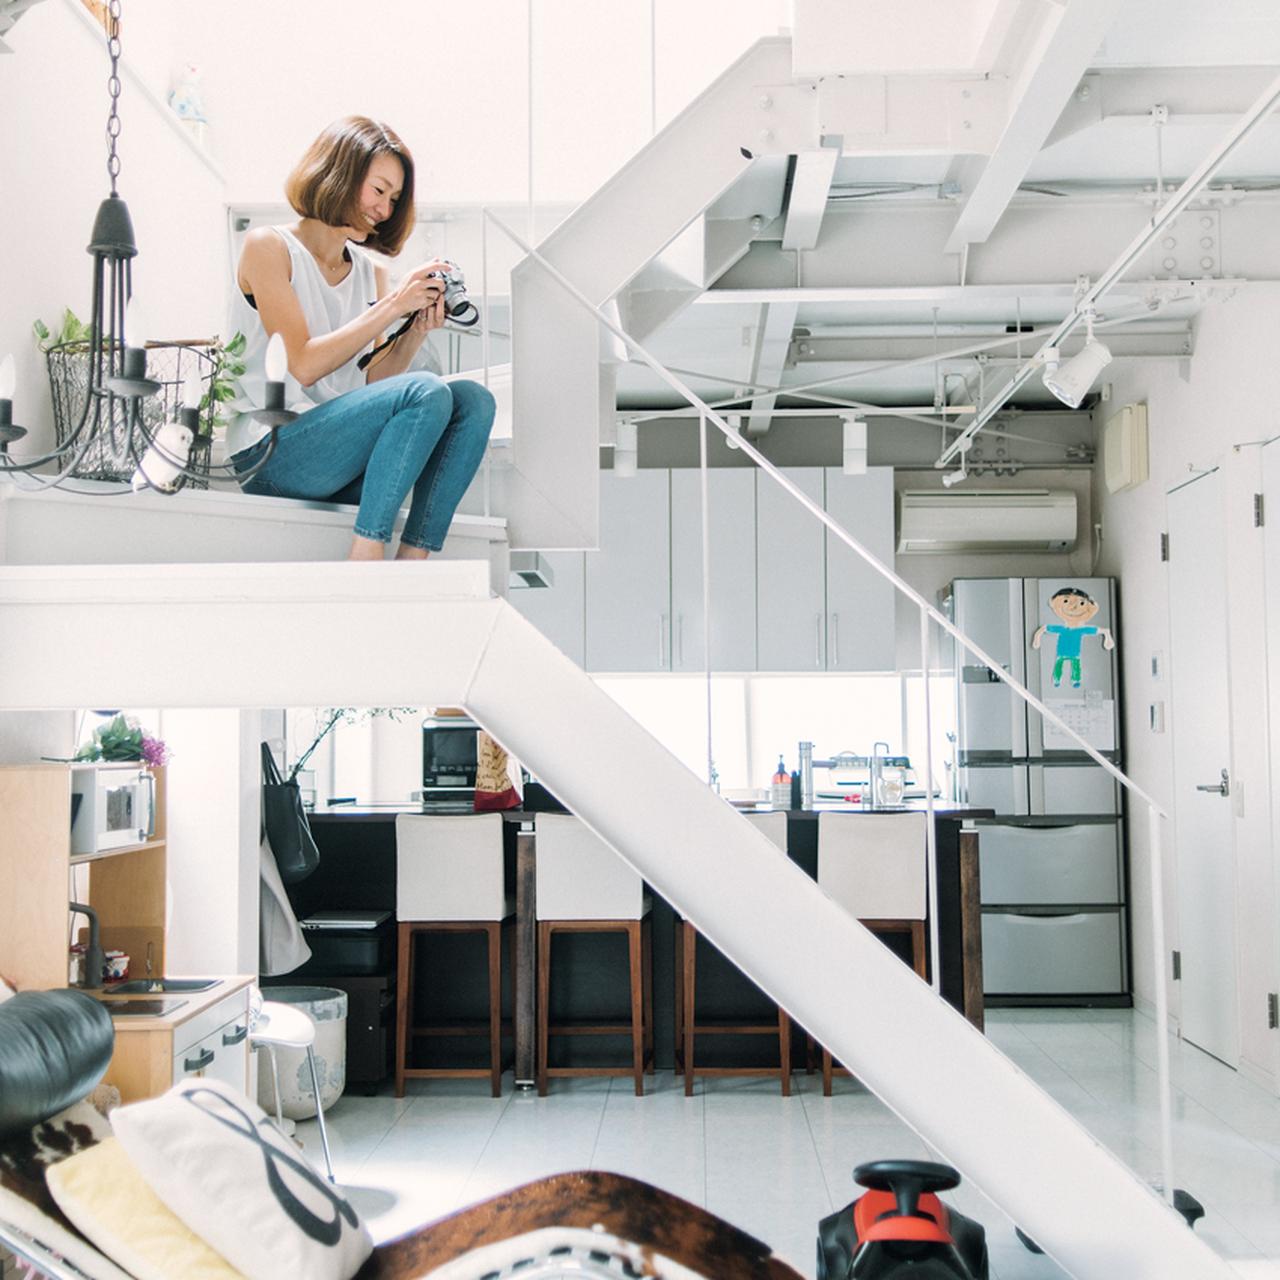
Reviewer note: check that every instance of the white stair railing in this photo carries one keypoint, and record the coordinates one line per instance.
(1157, 813)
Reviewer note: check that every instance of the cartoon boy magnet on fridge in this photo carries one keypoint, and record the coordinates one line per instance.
(1077, 609)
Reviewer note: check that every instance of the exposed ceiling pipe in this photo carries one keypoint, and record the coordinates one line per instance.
(1089, 298)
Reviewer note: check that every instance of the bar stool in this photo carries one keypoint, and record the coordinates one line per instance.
(449, 879)
(873, 865)
(773, 826)
(582, 886)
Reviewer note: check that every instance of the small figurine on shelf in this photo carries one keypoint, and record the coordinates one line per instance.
(186, 101)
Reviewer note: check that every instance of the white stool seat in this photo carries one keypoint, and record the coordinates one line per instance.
(451, 868)
(873, 864)
(580, 877)
(283, 1025)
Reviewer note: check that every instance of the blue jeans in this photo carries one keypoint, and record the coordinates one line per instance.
(373, 445)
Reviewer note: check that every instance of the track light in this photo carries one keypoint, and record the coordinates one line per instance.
(1071, 380)
(854, 447)
(625, 450)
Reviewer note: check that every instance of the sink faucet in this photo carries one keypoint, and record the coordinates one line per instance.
(94, 959)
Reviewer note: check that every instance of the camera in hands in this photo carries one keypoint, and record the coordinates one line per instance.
(457, 306)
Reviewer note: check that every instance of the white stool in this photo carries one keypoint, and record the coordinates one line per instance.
(287, 1027)
(449, 879)
(582, 886)
(873, 865)
(774, 827)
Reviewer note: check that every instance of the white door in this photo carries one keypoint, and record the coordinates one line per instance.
(628, 581)
(1201, 760)
(860, 602)
(731, 508)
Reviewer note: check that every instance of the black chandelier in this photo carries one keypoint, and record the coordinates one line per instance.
(112, 423)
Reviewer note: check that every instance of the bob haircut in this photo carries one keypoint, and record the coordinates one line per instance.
(326, 183)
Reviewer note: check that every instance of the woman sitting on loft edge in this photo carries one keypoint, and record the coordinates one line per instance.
(363, 435)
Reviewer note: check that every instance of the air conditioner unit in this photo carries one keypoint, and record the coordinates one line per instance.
(941, 521)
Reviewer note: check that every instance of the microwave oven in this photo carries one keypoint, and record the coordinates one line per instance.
(116, 807)
(449, 757)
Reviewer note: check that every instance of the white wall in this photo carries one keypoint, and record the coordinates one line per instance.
(26, 736)
(1196, 416)
(53, 157)
(212, 845)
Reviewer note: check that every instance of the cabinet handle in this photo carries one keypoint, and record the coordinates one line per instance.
(662, 641)
(835, 639)
(680, 639)
(817, 640)
(235, 1037)
(199, 1062)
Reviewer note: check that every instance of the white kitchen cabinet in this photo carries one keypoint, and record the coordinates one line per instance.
(860, 601)
(557, 611)
(628, 580)
(790, 576)
(731, 507)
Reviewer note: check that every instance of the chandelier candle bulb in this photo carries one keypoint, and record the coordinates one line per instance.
(192, 393)
(277, 363)
(135, 344)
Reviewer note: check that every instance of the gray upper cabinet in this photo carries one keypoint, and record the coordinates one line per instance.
(731, 507)
(628, 580)
(860, 601)
(790, 578)
(557, 611)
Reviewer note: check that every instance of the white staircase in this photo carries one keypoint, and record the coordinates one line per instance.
(429, 634)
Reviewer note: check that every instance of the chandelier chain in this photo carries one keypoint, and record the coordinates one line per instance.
(113, 87)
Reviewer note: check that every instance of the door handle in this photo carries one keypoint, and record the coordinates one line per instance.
(235, 1037)
(835, 639)
(1222, 788)
(817, 640)
(662, 641)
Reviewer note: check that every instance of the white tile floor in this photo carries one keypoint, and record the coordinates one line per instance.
(774, 1166)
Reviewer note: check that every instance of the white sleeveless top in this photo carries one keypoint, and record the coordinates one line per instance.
(325, 307)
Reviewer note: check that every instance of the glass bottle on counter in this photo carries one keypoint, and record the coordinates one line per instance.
(780, 792)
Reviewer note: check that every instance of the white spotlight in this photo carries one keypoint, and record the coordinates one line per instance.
(1071, 381)
(854, 447)
(625, 450)
(735, 421)
(954, 477)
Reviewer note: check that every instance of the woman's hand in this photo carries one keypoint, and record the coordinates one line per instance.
(421, 294)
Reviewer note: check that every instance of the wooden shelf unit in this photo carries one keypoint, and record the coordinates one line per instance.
(127, 887)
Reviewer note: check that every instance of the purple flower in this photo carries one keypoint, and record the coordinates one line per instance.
(154, 752)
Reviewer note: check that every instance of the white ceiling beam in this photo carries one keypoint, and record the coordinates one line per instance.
(773, 345)
(1052, 70)
(807, 198)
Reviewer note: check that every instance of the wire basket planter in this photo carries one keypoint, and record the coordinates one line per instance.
(168, 363)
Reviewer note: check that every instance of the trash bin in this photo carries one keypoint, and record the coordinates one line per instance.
(327, 1008)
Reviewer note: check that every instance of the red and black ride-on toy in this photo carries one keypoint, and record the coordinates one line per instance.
(898, 1229)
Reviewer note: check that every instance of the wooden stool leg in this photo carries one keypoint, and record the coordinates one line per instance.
(544, 1002)
(678, 1054)
(494, 932)
(404, 967)
(918, 947)
(636, 966)
(646, 959)
(826, 1073)
(690, 977)
(784, 1050)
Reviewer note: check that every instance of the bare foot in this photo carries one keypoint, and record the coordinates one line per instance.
(366, 549)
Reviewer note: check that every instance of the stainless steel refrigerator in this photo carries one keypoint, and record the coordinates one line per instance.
(1054, 926)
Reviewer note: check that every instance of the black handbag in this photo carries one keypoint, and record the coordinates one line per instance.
(285, 820)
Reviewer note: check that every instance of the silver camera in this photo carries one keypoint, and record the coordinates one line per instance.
(457, 306)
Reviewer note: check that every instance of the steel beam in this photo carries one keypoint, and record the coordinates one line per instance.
(1059, 56)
